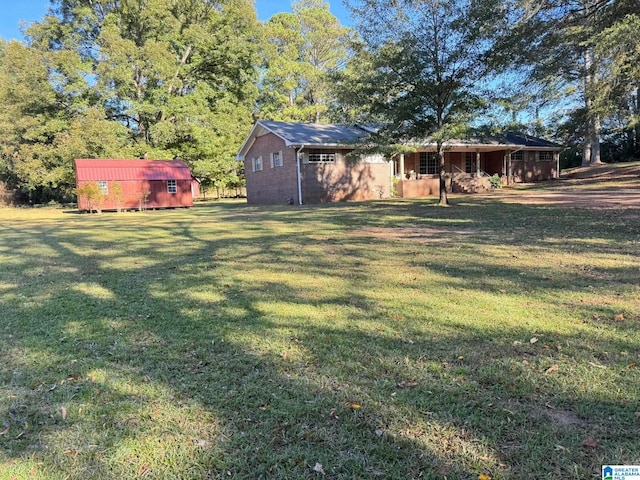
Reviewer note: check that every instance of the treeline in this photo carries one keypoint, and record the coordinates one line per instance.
(167, 78)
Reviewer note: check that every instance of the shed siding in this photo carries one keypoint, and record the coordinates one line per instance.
(143, 183)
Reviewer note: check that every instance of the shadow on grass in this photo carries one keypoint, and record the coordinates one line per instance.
(151, 347)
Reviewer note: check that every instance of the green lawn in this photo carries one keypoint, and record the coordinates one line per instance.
(390, 339)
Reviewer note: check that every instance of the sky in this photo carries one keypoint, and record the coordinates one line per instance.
(12, 12)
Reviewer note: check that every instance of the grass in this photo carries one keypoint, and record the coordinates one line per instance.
(386, 339)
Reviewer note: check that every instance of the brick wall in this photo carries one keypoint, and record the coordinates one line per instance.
(345, 180)
(321, 182)
(277, 185)
(531, 169)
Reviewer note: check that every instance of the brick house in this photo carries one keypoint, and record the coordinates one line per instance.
(308, 163)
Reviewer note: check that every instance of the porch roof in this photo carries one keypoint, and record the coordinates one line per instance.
(486, 143)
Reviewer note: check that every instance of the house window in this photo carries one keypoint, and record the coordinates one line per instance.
(172, 186)
(428, 163)
(469, 163)
(103, 185)
(257, 164)
(545, 156)
(317, 157)
(519, 155)
(276, 159)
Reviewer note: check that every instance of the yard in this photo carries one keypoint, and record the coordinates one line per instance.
(390, 339)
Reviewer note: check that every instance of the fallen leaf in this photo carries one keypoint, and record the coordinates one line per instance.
(619, 317)
(484, 477)
(355, 406)
(552, 368)
(533, 340)
(598, 366)
(404, 384)
(379, 432)
(318, 468)
(589, 442)
(63, 412)
(631, 365)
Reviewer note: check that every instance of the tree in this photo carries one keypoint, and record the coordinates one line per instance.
(552, 46)
(617, 86)
(34, 115)
(155, 78)
(422, 71)
(301, 49)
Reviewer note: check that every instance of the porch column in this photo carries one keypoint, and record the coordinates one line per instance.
(556, 159)
(509, 168)
(477, 163)
(401, 166)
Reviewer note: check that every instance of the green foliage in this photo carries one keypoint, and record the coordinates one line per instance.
(495, 181)
(150, 78)
(301, 50)
(562, 59)
(91, 194)
(420, 73)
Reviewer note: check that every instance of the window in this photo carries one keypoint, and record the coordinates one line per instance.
(316, 157)
(545, 156)
(276, 159)
(257, 164)
(519, 155)
(428, 163)
(103, 185)
(469, 162)
(172, 186)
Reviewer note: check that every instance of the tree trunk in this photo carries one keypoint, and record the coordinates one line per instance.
(444, 200)
(592, 136)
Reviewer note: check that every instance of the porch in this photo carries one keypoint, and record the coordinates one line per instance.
(416, 174)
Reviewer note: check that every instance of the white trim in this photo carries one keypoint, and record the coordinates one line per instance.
(254, 164)
(298, 154)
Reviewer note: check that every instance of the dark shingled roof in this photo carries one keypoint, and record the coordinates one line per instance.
(529, 141)
(314, 133)
(332, 135)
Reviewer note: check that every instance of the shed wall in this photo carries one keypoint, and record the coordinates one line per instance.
(142, 194)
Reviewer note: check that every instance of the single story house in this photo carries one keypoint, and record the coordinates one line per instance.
(307, 163)
(135, 184)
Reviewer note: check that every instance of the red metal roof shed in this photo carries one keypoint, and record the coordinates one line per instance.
(127, 184)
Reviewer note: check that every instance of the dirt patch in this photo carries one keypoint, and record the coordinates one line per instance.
(616, 171)
(597, 187)
(594, 199)
(564, 418)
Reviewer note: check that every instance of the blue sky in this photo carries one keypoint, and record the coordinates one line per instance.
(14, 11)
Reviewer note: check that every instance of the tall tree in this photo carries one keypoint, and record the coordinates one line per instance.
(301, 50)
(617, 85)
(45, 121)
(551, 46)
(178, 78)
(423, 69)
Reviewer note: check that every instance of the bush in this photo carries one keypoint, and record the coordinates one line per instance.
(495, 181)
